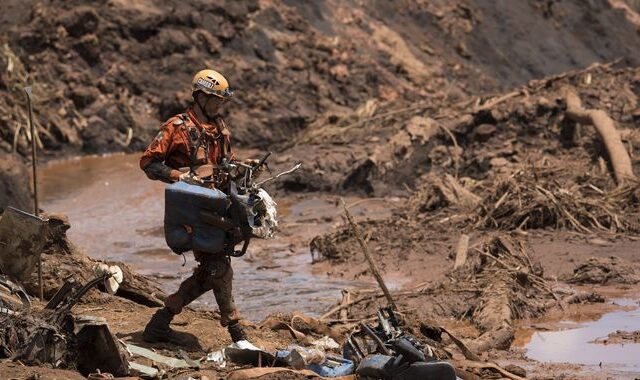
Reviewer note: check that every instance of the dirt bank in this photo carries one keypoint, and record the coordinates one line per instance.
(105, 74)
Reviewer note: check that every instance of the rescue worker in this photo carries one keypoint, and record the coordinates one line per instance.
(191, 139)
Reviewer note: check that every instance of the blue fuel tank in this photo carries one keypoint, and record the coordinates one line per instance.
(184, 228)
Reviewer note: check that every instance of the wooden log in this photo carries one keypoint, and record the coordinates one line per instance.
(499, 338)
(346, 299)
(461, 252)
(605, 126)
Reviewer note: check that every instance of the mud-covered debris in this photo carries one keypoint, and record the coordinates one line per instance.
(385, 351)
(161, 359)
(438, 192)
(56, 337)
(604, 271)
(12, 294)
(620, 337)
(327, 247)
(538, 198)
(304, 329)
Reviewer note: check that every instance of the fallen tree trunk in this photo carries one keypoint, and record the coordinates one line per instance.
(605, 126)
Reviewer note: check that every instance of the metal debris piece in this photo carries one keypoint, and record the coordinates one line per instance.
(55, 337)
(13, 294)
(97, 348)
(145, 370)
(22, 237)
(244, 352)
(61, 294)
(171, 362)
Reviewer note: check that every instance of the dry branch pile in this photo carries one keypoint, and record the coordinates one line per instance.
(528, 200)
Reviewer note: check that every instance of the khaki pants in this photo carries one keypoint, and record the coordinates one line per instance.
(213, 272)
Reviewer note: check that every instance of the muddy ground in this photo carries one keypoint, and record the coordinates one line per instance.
(452, 114)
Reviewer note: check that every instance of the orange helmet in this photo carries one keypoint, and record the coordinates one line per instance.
(211, 82)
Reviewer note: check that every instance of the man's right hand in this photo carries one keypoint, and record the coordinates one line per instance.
(190, 178)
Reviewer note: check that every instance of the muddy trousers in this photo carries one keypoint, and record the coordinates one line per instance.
(212, 273)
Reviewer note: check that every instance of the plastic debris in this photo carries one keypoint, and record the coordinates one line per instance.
(244, 345)
(112, 283)
(263, 215)
(299, 357)
(244, 352)
(325, 343)
(218, 358)
(333, 367)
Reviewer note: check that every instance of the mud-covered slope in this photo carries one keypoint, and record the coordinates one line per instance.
(105, 73)
(478, 137)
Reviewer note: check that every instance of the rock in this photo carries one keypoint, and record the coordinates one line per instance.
(461, 48)
(483, 132)
(297, 64)
(82, 96)
(498, 162)
(421, 129)
(339, 72)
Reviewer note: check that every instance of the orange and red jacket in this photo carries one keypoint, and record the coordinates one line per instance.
(178, 137)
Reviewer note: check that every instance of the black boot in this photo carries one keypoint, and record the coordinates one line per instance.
(236, 332)
(158, 330)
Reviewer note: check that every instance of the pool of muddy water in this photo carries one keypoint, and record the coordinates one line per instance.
(116, 213)
(571, 341)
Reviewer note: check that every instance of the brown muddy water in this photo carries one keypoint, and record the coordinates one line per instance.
(116, 213)
(572, 341)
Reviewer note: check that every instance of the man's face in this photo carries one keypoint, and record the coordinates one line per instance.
(211, 104)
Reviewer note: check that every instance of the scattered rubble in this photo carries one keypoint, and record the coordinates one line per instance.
(612, 270)
(54, 336)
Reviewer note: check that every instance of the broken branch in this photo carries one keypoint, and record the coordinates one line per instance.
(607, 131)
(365, 250)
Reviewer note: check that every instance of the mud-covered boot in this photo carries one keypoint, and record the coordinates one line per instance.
(237, 332)
(158, 330)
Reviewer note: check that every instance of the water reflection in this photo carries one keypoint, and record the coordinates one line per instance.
(575, 345)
